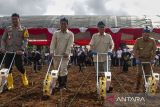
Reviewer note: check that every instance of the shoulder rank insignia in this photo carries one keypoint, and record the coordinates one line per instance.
(26, 34)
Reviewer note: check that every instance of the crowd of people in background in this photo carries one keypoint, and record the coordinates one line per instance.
(81, 56)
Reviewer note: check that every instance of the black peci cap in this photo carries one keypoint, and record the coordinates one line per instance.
(101, 24)
(64, 20)
(15, 15)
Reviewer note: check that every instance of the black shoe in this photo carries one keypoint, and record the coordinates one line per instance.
(110, 89)
(64, 88)
(62, 82)
(45, 97)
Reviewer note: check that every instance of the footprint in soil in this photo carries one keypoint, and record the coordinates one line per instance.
(44, 98)
(91, 95)
(31, 96)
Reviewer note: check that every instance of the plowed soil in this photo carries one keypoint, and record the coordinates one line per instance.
(81, 88)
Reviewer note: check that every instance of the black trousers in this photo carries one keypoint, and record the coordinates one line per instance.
(1, 57)
(125, 66)
(37, 65)
(17, 60)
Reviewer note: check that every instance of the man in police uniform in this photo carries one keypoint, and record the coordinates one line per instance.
(144, 51)
(101, 42)
(15, 39)
(61, 44)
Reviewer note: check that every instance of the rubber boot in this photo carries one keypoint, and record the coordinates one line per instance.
(60, 82)
(24, 79)
(64, 81)
(10, 82)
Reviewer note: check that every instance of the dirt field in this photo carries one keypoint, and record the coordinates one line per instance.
(81, 89)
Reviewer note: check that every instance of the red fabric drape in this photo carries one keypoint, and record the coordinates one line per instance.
(74, 30)
(1, 31)
(92, 30)
(137, 32)
(116, 36)
(39, 31)
(128, 42)
(82, 42)
(39, 42)
(156, 30)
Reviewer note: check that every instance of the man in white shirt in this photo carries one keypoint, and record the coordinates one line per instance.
(101, 42)
(61, 44)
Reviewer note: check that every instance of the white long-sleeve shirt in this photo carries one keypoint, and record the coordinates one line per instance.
(61, 42)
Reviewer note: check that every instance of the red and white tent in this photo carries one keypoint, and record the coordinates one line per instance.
(43, 36)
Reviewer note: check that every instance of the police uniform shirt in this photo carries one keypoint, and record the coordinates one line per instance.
(15, 39)
(145, 49)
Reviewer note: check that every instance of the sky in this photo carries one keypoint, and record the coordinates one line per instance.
(80, 7)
